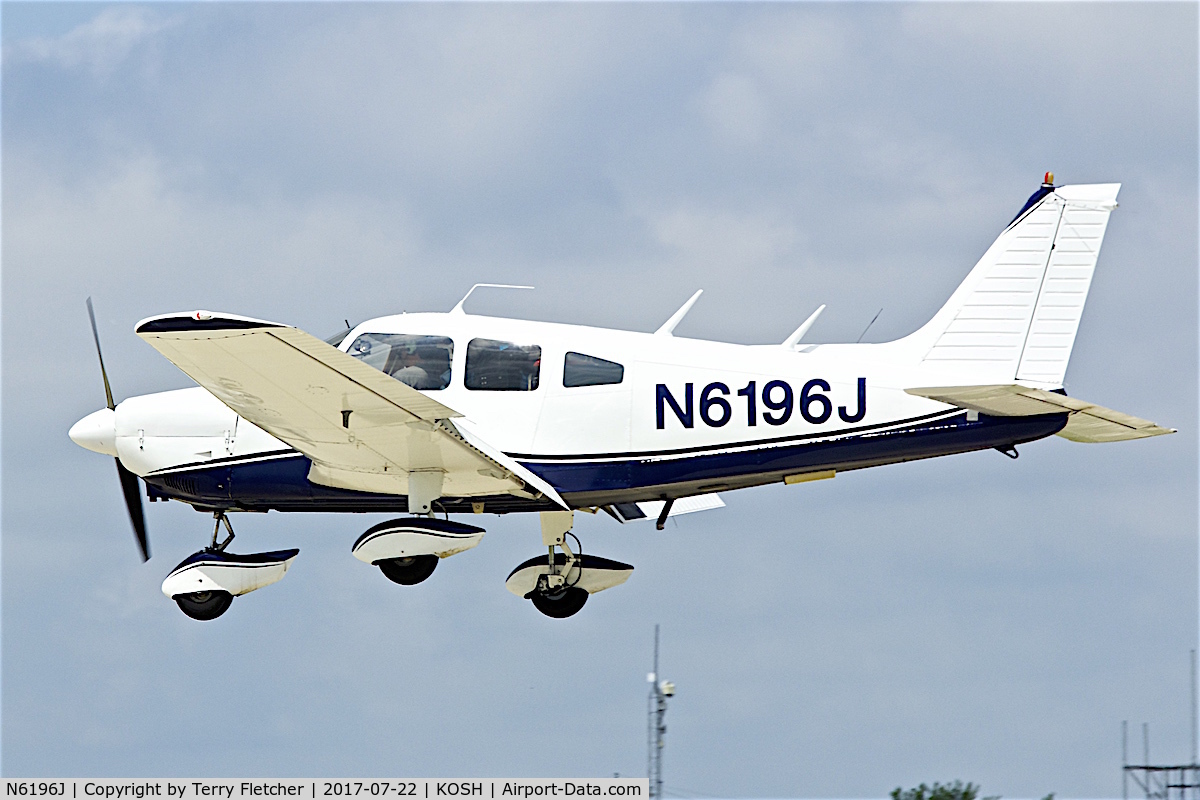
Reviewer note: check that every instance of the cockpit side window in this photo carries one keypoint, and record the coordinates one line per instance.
(503, 366)
(422, 362)
(584, 370)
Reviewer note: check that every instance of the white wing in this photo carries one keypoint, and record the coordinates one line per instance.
(362, 429)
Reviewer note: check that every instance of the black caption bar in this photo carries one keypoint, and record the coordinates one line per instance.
(263, 789)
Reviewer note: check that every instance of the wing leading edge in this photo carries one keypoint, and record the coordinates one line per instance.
(1087, 422)
(362, 429)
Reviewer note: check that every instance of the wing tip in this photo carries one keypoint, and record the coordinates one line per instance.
(200, 321)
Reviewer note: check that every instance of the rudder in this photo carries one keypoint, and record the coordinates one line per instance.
(1016, 314)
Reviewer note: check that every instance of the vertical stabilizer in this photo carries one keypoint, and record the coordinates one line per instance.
(1016, 315)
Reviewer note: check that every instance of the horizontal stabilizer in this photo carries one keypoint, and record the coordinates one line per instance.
(1087, 423)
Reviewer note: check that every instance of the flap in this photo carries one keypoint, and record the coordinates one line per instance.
(363, 430)
(650, 509)
(1087, 422)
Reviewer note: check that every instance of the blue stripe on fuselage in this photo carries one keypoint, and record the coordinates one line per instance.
(942, 437)
(283, 483)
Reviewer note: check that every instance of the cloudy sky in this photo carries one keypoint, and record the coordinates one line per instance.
(966, 618)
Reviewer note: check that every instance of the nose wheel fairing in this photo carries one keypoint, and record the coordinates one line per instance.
(204, 584)
(202, 581)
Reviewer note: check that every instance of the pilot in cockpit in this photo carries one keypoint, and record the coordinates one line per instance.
(409, 369)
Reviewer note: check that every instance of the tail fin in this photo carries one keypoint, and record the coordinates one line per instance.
(1016, 315)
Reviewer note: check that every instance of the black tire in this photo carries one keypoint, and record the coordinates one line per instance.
(408, 571)
(204, 605)
(561, 604)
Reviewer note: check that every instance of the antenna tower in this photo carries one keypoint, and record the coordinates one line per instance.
(656, 704)
(1162, 781)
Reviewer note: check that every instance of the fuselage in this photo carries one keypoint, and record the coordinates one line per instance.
(605, 416)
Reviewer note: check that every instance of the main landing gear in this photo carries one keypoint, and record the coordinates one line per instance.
(407, 551)
(560, 583)
(205, 583)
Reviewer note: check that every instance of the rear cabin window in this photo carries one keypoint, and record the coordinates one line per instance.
(583, 370)
(503, 366)
(423, 362)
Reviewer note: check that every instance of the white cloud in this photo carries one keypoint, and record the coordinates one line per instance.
(1080, 61)
(804, 52)
(99, 44)
(132, 230)
(722, 240)
(734, 107)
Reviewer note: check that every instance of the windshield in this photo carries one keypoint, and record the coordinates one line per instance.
(337, 338)
(422, 362)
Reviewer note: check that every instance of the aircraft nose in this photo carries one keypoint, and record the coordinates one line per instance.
(97, 432)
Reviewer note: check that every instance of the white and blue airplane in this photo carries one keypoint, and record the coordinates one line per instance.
(435, 414)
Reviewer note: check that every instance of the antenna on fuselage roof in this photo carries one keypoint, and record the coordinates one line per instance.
(668, 327)
(869, 324)
(798, 334)
(458, 309)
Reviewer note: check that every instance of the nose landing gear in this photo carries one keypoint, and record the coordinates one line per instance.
(205, 583)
